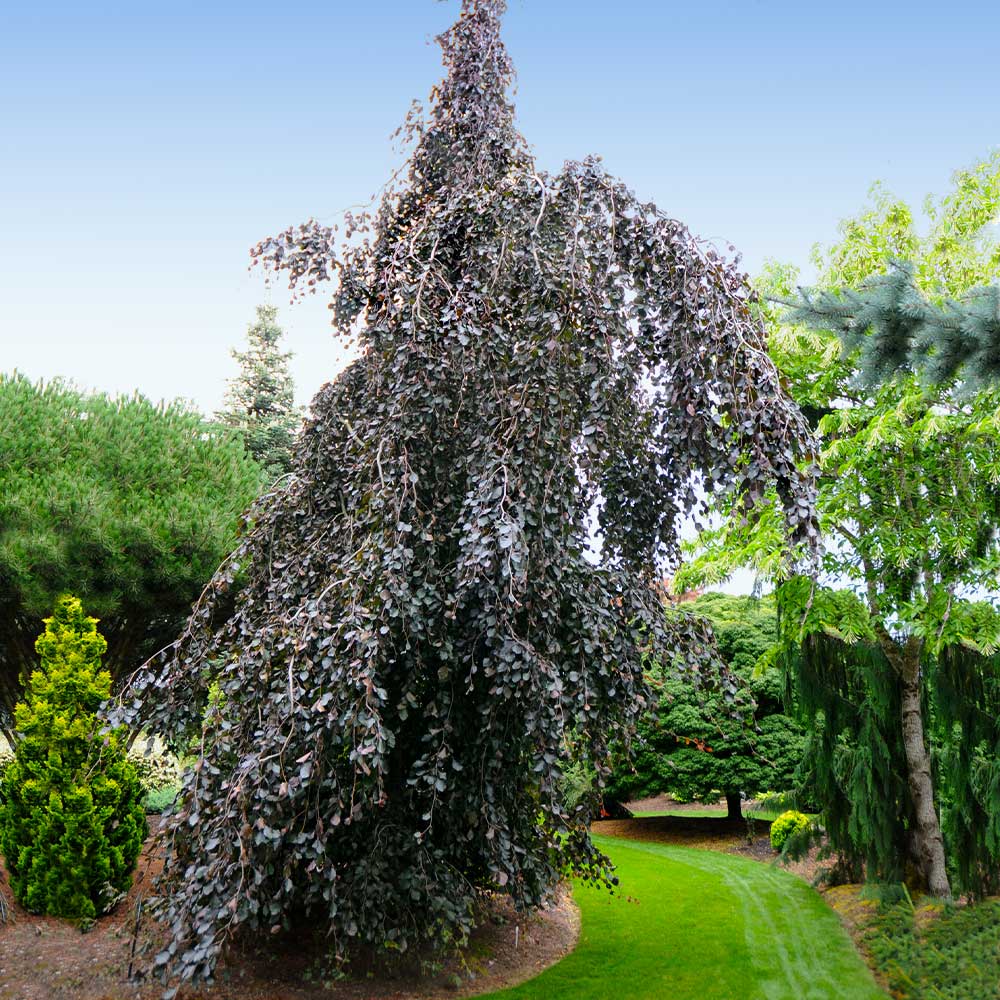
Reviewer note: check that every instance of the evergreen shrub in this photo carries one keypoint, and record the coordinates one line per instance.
(71, 819)
(786, 826)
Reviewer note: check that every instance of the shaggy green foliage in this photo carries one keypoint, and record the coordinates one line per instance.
(950, 955)
(693, 746)
(787, 825)
(127, 504)
(260, 401)
(910, 508)
(421, 631)
(71, 822)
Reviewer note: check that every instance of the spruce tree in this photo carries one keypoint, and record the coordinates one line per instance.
(71, 816)
(420, 631)
(894, 328)
(260, 400)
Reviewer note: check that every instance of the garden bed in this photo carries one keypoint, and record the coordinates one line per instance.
(43, 958)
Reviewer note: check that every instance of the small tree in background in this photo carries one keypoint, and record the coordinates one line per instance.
(128, 504)
(694, 747)
(71, 816)
(260, 401)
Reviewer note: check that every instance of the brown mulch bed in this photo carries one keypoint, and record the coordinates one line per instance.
(43, 958)
(664, 803)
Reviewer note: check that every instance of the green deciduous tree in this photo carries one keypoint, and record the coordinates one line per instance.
(936, 311)
(423, 629)
(694, 746)
(71, 816)
(260, 401)
(910, 502)
(130, 505)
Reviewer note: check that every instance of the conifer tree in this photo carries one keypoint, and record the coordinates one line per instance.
(260, 400)
(894, 329)
(129, 504)
(71, 816)
(419, 630)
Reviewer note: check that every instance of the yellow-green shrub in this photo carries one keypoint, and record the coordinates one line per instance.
(787, 825)
(71, 820)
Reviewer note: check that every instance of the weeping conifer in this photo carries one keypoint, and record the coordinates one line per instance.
(967, 693)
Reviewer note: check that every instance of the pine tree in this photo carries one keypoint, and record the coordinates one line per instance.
(128, 504)
(71, 818)
(259, 401)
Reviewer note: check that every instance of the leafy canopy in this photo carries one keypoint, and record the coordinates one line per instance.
(908, 490)
(423, 630)
(130, 505)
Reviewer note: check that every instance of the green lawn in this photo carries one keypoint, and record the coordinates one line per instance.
(703, 926)
(709, 812)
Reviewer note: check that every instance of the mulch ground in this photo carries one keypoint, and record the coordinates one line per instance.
(43, 958)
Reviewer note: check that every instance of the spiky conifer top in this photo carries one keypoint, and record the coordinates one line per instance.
(260, 401)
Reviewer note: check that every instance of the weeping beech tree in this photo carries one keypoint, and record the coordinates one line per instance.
(421, 634)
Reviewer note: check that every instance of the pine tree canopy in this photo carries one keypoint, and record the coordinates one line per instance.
(130, 505)
(260, 401)
(896, 329)
(423, 632)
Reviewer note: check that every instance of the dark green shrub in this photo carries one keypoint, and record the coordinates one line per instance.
(786, 826)
(936, 953)
(71, 822)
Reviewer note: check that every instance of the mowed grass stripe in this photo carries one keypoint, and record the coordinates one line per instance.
(698, 925)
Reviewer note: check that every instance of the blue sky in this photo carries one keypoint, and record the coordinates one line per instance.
(145, 146)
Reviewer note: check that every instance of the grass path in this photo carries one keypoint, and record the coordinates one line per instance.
(703, 926)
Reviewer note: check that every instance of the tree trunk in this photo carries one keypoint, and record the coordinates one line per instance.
(734, 805)
(927, 839)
